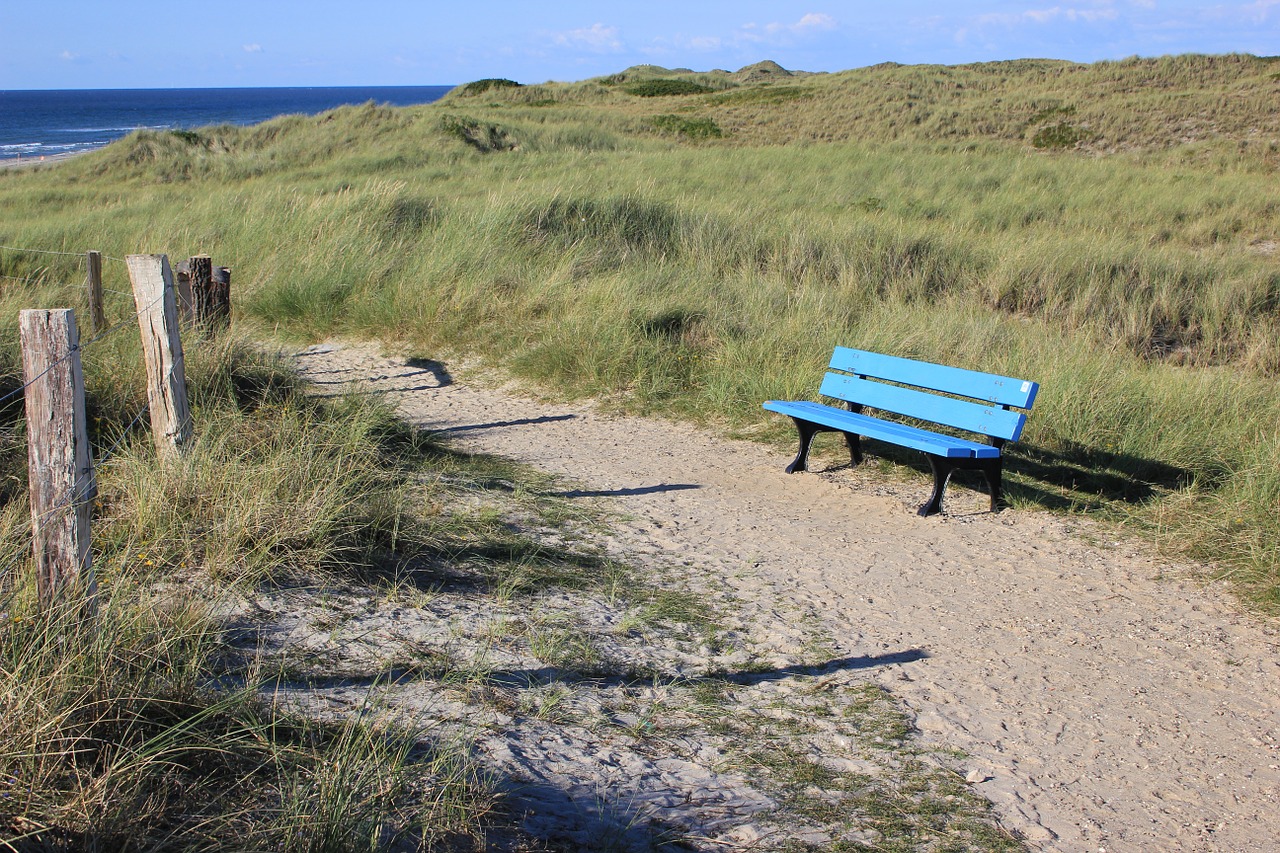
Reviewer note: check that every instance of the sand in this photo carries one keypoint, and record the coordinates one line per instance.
(34, 162)
(1104, 697)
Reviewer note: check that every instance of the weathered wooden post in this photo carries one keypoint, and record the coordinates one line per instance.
(97, 314)
(156, 300)
(182, 278)
(210, 293)
(59, 467)
(200, 268)
(220, 298)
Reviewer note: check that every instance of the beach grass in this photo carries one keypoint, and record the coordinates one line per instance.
(599, 255)
(131, 729)
(1108, 230)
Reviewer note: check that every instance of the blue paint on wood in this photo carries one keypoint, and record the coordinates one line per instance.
(1002, 390)
(894, 433)
(987, 419)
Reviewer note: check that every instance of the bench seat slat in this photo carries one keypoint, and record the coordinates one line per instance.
(901, 434)
(1001, 390)
(985, 418)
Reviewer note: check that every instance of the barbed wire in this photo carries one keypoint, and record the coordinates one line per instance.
(86, 490)
(80, 347)
(44, 252)
(105, 456)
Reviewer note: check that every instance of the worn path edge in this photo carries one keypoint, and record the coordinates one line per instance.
(1105, 697)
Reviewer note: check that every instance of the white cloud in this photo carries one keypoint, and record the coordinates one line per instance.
(68, 56)
(1051, 15)
(811, 22)
(776, 31)
(597, 37)
(750, 35)
(252, 48)
(815, 21)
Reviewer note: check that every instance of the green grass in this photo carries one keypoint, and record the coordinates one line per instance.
(570, 246)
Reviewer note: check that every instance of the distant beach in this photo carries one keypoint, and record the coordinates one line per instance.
(57, 122)
(21, 162)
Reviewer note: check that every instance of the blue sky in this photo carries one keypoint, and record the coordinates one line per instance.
(61, 44)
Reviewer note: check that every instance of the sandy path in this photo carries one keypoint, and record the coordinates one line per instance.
(1110, 705)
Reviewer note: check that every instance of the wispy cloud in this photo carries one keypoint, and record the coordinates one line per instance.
(1260, 11)
(750, 35)
(68, 56)
(812, 22)
(1054, 14)
(984, 28)
(597, 37)
(252, 48)
(777, 32)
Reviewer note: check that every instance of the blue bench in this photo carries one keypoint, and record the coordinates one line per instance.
(981, 403)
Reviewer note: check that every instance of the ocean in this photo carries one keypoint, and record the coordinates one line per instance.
(67, 121)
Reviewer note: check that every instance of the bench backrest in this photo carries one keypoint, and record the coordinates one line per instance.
(863, 377)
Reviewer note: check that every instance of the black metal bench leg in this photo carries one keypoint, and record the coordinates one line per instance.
(992, 471)
(942, 470)
(855, 449)
(807, 431)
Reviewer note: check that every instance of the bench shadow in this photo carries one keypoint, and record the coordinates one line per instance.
(1076, 477)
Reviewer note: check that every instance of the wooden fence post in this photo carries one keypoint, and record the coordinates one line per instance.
(97, 315)
(201, 271)
(210, 293)
(182, 277)
(59, 466)
(219, 308)
(153, 293)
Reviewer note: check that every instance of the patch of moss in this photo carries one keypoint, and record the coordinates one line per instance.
(1060, 135)
(689, 128)
(773, 94)
(665, 88)
(485, 138)
(1049, 112)
(479, 87)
